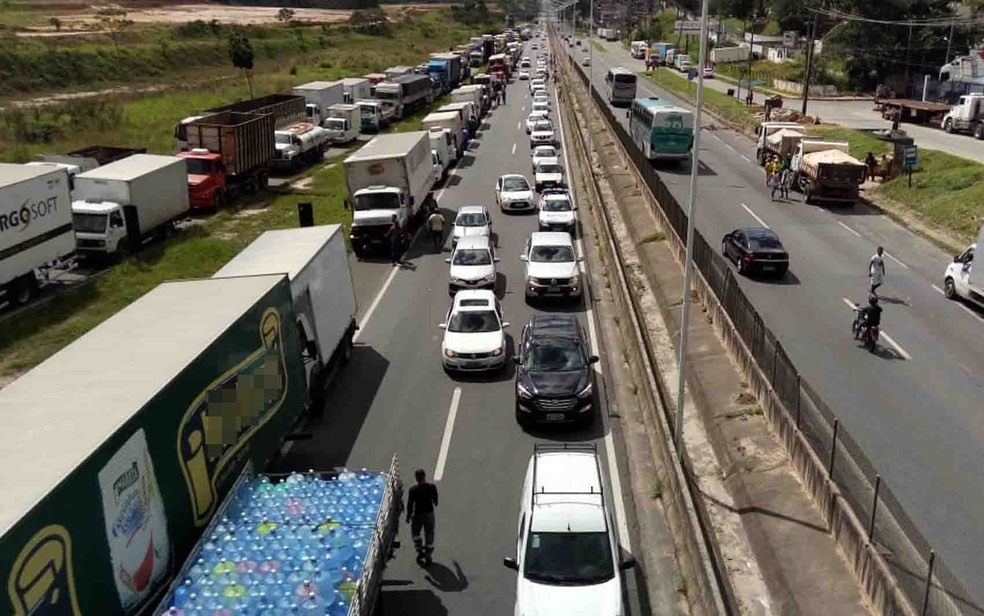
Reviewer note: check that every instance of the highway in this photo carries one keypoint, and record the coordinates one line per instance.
(394, 397)
(915, 407)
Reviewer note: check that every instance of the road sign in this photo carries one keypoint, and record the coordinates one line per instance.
(911, 155)
(687, 26)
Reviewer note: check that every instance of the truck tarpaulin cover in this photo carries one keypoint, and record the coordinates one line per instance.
(113, 489)
(831, 157)
(784, 141)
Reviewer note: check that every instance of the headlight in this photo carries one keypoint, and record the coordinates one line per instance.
(530, 280)
(575, 280)
(586, 392)
(449, 353)
(489, 277)
(522, 392)
(497, 352)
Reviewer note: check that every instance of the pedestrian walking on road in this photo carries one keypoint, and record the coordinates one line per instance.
(785, 179)
(774, 184)
(502, 96)
(876, 270)
(421, 501)
(435, 224)
(395, 236)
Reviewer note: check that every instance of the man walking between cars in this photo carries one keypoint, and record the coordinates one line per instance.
(435, 224)
(421, 501)
(395, 236)
(876, 270)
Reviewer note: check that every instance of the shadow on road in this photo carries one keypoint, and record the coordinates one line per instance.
(444, 579)
(411, 603)
(347, 403)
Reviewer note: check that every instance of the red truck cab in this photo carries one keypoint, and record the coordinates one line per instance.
(206, 178)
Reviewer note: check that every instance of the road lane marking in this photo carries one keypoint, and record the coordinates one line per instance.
(883, 335)
(755, 216)
(442, 455)
(959, 302)
(893, 258)
(514, 148)
(610, 461)
(747, 159)
(727, 145)
(849, 229)
(519, 126)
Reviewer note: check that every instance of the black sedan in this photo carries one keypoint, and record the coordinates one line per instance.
(756, 250)
(554, 378)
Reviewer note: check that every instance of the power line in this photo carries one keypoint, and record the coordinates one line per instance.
(936, 22)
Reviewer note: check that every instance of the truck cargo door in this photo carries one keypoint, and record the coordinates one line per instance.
(306, 329)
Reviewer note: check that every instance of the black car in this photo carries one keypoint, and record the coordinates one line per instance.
(554, 377)
(756, 250)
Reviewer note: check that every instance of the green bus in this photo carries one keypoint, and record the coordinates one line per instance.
(662, 130)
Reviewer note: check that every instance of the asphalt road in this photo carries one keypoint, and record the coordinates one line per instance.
(394, 397)
(915, 407)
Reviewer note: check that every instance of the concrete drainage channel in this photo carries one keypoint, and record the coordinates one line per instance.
(705, 584)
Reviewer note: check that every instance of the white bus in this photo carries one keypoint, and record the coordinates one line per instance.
(620, 85)
(662, 130)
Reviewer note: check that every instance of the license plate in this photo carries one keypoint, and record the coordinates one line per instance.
(472, 364)
(555, 417)
(768, 266)
(553, 289)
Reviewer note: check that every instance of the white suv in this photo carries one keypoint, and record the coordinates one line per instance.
(551, 266)
(567, 555)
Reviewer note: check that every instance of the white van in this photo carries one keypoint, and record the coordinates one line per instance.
(960, 280)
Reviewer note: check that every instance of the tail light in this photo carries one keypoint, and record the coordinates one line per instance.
(749, 256)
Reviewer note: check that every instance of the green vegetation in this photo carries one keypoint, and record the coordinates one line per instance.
(729, 108)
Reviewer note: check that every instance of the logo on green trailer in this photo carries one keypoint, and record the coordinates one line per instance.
(41, 582)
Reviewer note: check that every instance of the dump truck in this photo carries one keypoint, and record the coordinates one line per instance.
(182, 389)
(392, 175)
(230, 154)
(117, 207)
(824, 171)
(320, 95)
(780, 138)
(316, 262)
(35, 226)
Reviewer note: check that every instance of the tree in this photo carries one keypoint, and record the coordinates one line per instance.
(113, 21)
(241, 54)
(285, 15)
(55, 23)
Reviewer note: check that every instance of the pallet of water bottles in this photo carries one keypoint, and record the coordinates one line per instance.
(290, 544)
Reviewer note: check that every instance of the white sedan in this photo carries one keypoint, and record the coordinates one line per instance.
(541, 152)
(513, 192)
(548, 174)
(538, 82)
(474, 339)
(524, 75)
(472, 265)
(471, 221)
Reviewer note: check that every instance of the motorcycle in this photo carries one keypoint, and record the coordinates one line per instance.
(864, 332)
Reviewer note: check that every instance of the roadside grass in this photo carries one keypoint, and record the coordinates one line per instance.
(859, 142)
(731, 109)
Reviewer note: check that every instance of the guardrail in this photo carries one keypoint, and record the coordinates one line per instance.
(887, 534)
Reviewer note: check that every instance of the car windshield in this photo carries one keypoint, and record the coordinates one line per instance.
(472, 256)
(556, 205)
(764, 242)
(569, 558)
(89, 223)
(376, 201)
(282, 138)
(471, 220)
(549, 168)
(555, 356)
(545, 153)
(474, 322)
(552, 254)
(543, 126)
(515, 184)
(198, 166)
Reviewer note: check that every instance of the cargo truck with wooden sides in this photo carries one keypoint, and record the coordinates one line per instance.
(779, 138)
(824, 171)
(405, 94)
(119, 206)
(392, 175)
(35, 226)
(230, 154)
(145, 423)
(286, 109)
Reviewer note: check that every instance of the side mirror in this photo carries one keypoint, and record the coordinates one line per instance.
(580, 259)
(956, 258)
(448, 260)
(510, 563)
(594, 359)
(628, 561)
(505, 324)
(442, 325)
(495, 259)
(522, 257)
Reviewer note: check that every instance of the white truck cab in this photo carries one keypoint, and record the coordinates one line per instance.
(966, 116)
(300, 142)
(343, 123)
(568, 559)
(960, 281)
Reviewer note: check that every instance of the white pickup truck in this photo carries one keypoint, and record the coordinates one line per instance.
(961, 280)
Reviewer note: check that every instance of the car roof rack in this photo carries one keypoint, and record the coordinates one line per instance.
(539, 448)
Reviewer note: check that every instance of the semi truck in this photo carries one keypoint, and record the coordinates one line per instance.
(405, 94)
(451, 121)
(300, 144)
(120, 205)
(145, 423)
(825, 171)
(446, 69)
(781, 138)
(966, 116)
(320, 95)
(35, 226)
(344, 122)
(391, 175)
(961, 280)
(316, 263)
(230, 154)
(355, 88)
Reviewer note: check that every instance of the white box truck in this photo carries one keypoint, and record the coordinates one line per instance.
(355, 88)
(391, 175)
(316, 262)
(343, 123)
(451, 121)
(121, 204)
(442, 147)
(320, 95)
(469, 117)
(961, 280)
(472, 94)
(35, 226)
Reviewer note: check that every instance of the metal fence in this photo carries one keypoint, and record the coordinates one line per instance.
(922, 574)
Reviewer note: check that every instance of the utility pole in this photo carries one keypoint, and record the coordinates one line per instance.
(949, 39)
(751, 53)
(908, 47)
(809, 59)
(744, 29)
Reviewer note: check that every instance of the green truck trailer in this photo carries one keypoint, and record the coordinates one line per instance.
(118, 449)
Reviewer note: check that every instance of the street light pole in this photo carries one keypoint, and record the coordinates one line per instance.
(688, 264)
(590, 85)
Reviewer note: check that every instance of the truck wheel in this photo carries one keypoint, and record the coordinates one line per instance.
(217, 201)
(25, 289)
(979, 131)
(807, 195)
(949, 289)
(761, 158)
(948, 125)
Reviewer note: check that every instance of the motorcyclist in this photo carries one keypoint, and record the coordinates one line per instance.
(870, 315)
